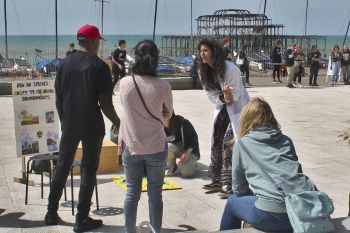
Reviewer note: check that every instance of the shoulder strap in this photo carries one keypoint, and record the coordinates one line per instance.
(143, 101)
(276, 185)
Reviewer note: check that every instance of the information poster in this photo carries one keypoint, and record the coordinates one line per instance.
(36, 118)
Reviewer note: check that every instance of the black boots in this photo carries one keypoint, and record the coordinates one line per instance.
(86, 224)
(51, 218)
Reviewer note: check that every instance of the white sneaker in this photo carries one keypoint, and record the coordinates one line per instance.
(294, 85)
(300, 86)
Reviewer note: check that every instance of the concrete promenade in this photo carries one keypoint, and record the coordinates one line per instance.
(312, 117)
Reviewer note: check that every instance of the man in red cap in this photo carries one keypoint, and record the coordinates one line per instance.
(83, 87)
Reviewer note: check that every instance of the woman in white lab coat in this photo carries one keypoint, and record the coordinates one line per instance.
(223, 85)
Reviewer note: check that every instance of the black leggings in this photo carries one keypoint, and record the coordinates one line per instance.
(245, 70)
(276, 69)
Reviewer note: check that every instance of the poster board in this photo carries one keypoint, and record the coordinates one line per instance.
(36, 118)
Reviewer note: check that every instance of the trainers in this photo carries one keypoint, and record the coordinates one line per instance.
(87, 224)
(226, 193)
(51, 218)
(294, 85)
(280, 81)
(299, 85)
(315, 84)
(214, 186)
(290, 86)
(171, 172)
(274, 82)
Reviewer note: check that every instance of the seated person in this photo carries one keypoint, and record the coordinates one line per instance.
(182, 145)
(255, 200)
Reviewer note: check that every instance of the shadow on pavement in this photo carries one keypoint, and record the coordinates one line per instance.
(13, 220)
(342, 225)
(108, 211)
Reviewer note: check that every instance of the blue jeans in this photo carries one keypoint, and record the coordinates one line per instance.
(243, 208)
(135, 167)
(335, 71)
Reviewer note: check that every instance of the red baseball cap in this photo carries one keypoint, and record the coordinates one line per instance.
(88, 32)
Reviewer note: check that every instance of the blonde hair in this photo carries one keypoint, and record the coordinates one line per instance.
(256, 114)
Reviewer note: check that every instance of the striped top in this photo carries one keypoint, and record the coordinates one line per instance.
(139, 131)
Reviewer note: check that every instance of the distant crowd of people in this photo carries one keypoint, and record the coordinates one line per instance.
(291, 63)
(154, 141)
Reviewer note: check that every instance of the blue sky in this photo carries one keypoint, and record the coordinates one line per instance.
(36, 17)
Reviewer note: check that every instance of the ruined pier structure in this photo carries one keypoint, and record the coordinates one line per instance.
(255, 30)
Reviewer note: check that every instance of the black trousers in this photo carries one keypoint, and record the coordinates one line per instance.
(245, 70)
(117, 75)
(314, 67)
(91, 156)
(276, 70)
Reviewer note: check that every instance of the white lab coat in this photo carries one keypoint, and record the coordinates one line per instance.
(232, 77)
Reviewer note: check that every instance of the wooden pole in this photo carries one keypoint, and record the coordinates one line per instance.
(155, 20)
(56, 30)
(5, 16)
(346, 34)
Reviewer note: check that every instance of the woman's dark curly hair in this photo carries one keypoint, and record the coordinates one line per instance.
(146, 58)
(207, 73)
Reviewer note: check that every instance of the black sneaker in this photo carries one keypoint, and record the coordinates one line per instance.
(214, 186)
(290, 86)
(87, 224)
(51, 218)
(315, 84)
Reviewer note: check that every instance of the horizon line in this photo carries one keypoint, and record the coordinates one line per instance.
(160, 35)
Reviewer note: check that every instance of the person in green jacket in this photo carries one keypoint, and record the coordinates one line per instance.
(255, 200)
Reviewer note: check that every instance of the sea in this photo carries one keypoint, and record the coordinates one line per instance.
(35, 47)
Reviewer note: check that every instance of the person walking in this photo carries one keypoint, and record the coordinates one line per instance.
(118, 57)
(314, 60)
(244, 67)
(255, 201)
(146, 103)
(335, 58)
(227, 43)
(223, 85)
(194, 73)
(290, 53)
(71, 49)
(299, 67)
(345, 65)
(276, 58)
(83, 88)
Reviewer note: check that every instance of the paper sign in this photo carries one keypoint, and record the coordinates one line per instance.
(36, 118)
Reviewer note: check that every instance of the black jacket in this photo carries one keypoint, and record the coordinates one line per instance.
(289, 60)
(315, 54)
(275, 57)
(186, 134)
(345, 59)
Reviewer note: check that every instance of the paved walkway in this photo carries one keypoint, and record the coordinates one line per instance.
(312, 117)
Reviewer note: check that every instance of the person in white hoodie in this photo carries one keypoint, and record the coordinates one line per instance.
(222, 83)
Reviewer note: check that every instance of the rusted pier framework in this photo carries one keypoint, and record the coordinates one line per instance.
(255, 30)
